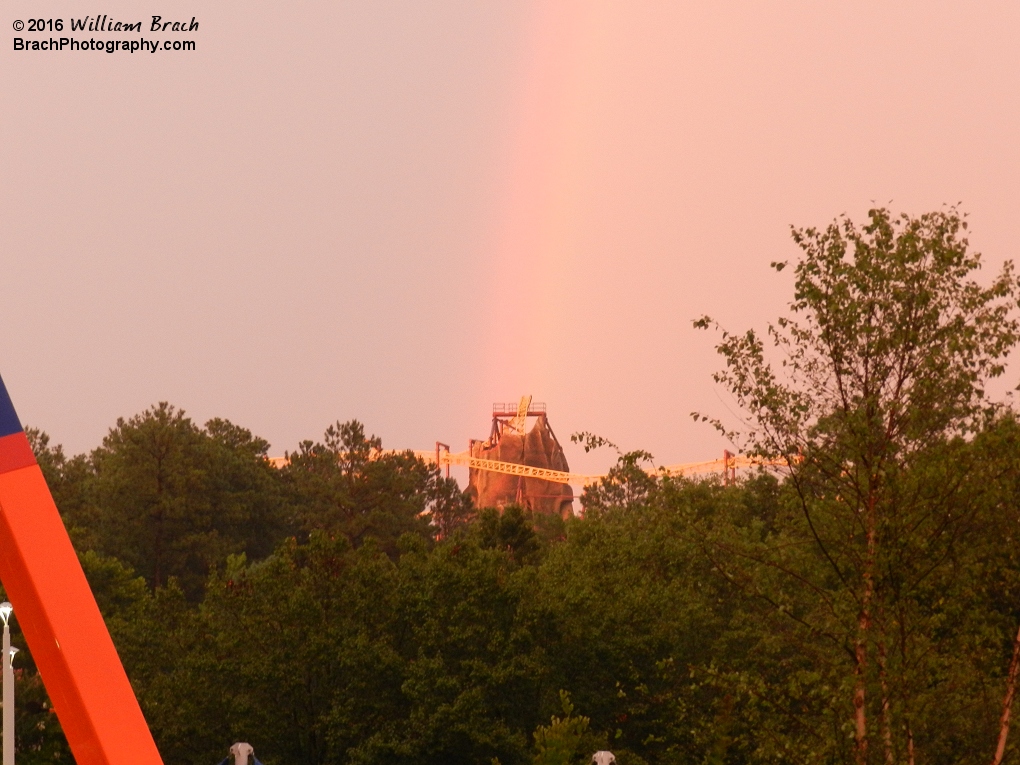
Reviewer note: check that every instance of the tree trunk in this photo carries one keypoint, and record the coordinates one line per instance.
(861, 645)
(1007, 702)
(886, 719)
(860, 714)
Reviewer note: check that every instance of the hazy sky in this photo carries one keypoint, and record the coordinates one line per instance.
(403, 212)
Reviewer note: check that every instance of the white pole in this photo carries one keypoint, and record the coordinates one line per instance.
(8, 689)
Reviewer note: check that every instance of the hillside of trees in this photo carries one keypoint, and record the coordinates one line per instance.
(860, 605)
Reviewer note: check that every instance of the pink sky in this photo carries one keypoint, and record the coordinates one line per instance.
(402, 212)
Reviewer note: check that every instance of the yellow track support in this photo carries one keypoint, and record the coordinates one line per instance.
(723, 465)
(578, 479)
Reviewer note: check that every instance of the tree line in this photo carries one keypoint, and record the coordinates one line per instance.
(860, 606)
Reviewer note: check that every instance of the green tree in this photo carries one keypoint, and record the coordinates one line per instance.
(474, 662)
(510, 530)
(884, 361)
(293, 654)
(347, 484)
(171, 499)
(565, 740)
(644, 624)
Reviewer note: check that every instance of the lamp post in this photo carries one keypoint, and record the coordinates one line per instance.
(6, 609)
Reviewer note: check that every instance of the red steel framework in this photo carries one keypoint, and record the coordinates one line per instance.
(59, 617)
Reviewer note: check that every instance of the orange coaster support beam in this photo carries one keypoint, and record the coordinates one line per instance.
(58, 614)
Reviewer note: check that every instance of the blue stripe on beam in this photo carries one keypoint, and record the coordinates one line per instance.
(9, 422)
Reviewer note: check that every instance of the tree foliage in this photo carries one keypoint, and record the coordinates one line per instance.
(352, 607)
(346, 484)
(879, 392)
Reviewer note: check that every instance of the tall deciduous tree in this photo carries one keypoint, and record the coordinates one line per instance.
(880, 383)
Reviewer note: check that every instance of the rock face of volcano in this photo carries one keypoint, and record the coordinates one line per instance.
(537, 448)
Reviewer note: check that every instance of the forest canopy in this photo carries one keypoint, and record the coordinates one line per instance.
(859, 605)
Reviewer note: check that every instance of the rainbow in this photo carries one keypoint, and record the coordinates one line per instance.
(534, 248)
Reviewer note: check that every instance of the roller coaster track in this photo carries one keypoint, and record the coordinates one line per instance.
(724, 466)
(513, 417)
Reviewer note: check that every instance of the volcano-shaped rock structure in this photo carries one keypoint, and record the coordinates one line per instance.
(537, 448)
